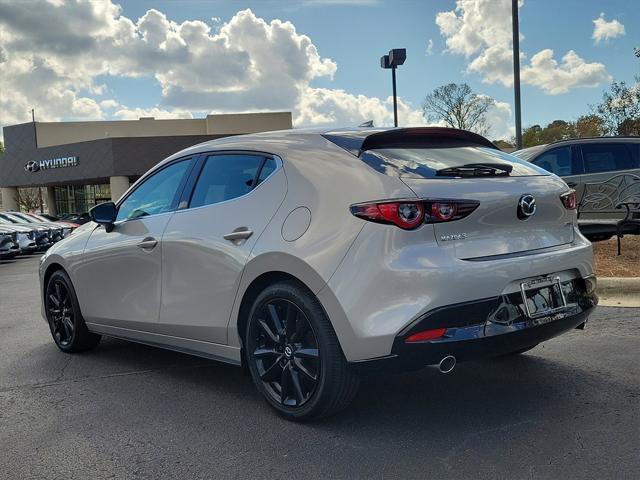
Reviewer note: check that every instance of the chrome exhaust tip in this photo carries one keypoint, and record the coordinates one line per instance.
(447, 364)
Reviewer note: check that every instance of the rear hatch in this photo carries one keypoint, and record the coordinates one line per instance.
(441, 164)
(495, 228)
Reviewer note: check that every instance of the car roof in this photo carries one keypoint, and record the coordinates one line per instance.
(595, 140)
(573, 141)
(356, 139)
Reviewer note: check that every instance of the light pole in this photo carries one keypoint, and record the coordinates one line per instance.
(516, 71)
(395, 58)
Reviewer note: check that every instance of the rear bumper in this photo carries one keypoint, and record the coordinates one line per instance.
(485, 328)
(391, 277)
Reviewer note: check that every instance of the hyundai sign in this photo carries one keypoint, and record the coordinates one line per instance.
(61, 162)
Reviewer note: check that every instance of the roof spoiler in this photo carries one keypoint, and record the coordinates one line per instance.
(358, 141)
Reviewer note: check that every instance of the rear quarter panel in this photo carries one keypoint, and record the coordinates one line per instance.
(327, 180)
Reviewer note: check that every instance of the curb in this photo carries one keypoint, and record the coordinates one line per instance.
(619, 292)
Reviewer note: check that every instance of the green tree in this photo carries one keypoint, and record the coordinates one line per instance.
(620, 109)
(458, 106)
(504, 145)
(557, 130)
(1, 147)
(531, 136)
(590, 126)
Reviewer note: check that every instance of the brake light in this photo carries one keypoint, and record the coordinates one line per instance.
(426, 335)
(569, 200)
(410, 214)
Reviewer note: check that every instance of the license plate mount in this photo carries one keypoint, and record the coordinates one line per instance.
(546, 296)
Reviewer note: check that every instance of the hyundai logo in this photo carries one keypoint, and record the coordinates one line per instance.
(526, 207)
(32, 166)
(61, 162)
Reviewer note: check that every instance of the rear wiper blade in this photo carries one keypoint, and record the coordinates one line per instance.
(477, 170)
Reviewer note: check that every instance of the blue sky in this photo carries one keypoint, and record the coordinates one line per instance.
(351, 35)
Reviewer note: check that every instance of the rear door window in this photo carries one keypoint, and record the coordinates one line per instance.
(606, 157)
(430, 162)
(228, 176)
(558, 161)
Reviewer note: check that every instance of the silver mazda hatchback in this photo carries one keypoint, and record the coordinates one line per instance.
(313, 257)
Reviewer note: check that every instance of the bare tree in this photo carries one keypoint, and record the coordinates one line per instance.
(29, 198)
(458, 107)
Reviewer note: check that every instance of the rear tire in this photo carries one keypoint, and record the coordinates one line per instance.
(66, 323)
(294, 355)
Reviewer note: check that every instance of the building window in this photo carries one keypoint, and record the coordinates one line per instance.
(80, 198)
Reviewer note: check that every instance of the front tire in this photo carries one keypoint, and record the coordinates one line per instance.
(66, 323)
(294, 356)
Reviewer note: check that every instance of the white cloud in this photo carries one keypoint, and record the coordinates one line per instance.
(554, 78)
(603, 30)
(324, 106)
(481, 31)
(109, 104)
(500, 122)
(429, 49)
(125, 113)
(247, 64)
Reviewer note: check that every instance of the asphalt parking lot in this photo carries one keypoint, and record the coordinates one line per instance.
(568, 409)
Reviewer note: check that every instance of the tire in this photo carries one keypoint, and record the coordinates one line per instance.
(519, 352)
(67, 326)
(294, 356)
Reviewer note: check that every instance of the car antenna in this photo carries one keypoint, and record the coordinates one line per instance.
(367, 124)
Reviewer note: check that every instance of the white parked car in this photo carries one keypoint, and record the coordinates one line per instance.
(313, 256)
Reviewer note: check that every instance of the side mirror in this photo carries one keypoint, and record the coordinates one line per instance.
(104, 214)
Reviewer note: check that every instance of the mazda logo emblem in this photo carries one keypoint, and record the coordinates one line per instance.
(288, 351)
(526, 207)
(32, 166)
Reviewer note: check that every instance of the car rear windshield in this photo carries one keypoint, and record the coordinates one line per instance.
(447, 162)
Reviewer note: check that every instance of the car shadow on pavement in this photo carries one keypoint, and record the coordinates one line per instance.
(482, 394)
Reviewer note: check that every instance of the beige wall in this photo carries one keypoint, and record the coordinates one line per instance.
(9, 198)
(51, 134)
(235, 123)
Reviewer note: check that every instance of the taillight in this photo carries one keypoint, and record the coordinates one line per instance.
(408, 214)
(426, 335)
(569, 200)
(443, 211)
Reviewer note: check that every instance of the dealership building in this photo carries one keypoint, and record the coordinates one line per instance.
(84, 163)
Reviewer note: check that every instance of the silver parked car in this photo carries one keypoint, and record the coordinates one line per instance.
(32, 237)
(9, 245)
(312, 257)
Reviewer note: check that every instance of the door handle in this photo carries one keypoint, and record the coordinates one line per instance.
(148, 243)
(238, 235)
(572, 184)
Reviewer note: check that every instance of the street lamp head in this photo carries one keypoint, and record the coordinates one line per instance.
(397, 56)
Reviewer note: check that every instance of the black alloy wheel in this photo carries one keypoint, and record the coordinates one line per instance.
(285, 352)
(65, 320)
(60, 311)
(294, 356)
